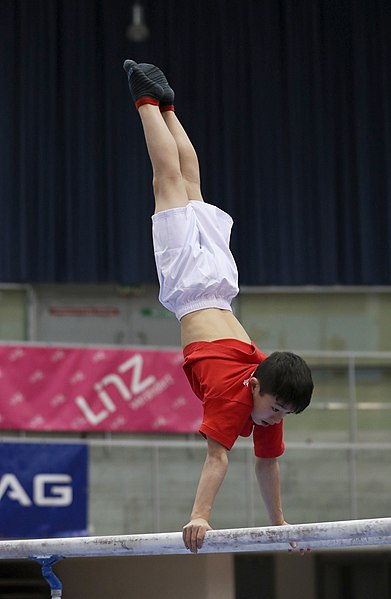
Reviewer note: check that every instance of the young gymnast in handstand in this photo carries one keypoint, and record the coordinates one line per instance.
(242, 390)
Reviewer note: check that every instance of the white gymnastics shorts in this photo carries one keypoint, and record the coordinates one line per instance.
(195, 266)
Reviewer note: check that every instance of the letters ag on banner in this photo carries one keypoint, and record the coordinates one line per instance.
(43, 490)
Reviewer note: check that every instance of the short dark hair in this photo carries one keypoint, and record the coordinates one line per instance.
(288, 377)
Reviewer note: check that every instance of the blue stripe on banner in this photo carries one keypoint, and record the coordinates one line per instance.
(43, 490)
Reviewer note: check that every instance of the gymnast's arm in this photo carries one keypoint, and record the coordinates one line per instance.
(212, 475)
(268, 476)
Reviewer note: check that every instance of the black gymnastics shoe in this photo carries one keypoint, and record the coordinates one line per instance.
(157, 76)
(143, 89)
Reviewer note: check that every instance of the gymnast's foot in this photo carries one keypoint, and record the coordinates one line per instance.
(143, 89)
(156, 76)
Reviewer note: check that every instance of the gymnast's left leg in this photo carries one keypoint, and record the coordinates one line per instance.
(168, 184)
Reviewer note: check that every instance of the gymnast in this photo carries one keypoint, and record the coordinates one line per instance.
(242, 390)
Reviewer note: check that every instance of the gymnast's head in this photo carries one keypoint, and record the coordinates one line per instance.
(282, 384)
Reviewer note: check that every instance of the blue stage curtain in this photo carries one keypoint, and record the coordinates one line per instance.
(287, 102)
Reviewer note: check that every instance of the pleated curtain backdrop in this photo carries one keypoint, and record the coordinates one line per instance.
(288, 104)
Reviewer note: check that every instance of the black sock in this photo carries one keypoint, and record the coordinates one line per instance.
(143, 89)
(157, 76)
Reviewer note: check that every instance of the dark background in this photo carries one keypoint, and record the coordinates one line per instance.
(288, 104)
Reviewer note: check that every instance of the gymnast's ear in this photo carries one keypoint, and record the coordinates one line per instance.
(254, 384)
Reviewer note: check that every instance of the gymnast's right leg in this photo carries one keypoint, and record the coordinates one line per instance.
(187, 156)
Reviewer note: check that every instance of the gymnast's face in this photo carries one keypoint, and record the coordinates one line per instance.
(266, 408)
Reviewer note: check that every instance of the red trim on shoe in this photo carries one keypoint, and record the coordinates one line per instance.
(147, 100)
(167, 107)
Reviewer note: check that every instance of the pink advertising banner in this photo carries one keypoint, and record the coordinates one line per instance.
(47, 388)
